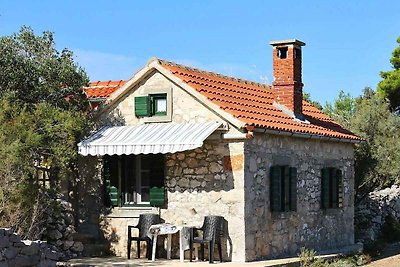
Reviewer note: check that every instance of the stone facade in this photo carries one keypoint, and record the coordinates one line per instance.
(277, 234)
(208, 181)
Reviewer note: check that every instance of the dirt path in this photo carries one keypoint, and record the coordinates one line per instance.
(393, 261)
(389, 258)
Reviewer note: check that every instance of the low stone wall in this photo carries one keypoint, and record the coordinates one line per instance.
(20, 253)
(370, 212)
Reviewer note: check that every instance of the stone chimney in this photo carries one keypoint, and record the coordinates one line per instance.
(287, 83)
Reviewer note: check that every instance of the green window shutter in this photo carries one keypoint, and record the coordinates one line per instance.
(157, 196)
(142, 106)
(111, 197)
(340, 188)
(325, 188)
(275, 188)
(293, 188)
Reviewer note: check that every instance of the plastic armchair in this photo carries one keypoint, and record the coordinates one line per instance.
(212, 235)
(145, 221)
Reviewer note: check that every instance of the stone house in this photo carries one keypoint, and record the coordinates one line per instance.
(188, 143)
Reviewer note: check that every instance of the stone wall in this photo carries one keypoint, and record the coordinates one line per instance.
(270, 235)
(15, 252)
(371, 211)
(208, 181)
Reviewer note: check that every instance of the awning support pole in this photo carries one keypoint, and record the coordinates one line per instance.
(119, 182)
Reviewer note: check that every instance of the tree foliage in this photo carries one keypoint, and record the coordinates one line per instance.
(342, 109)
(42, 116)
(377, 160)
(33, 71)
(389, 87)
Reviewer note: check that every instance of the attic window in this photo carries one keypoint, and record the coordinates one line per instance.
(282, 52)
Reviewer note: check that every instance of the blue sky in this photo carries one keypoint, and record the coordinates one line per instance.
(348, 42)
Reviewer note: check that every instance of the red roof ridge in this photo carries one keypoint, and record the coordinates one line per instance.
(107, 83)
(215, 74)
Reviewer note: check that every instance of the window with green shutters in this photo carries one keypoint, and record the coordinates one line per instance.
(283, 188)
(134, 180)
(331, 188)
(151, 105)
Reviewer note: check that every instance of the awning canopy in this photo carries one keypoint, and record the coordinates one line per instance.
(149, 138)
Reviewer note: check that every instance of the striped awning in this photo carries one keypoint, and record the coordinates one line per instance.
(149, 138)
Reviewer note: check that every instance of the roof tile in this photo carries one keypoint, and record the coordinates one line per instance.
(102, 89)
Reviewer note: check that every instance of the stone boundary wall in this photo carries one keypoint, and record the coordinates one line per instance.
(20, 253)
(60, 230)
(370, 212)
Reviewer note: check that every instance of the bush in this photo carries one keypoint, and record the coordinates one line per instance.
(308, 259)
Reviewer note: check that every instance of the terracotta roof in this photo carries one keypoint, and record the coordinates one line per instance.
(253, 103)
(102, 89)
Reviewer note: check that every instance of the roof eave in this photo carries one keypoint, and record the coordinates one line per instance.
(307, 136)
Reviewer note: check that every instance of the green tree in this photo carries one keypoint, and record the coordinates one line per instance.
(378, 159)
(32, 70)
(342, 109)
(389, 87)
(43, 114)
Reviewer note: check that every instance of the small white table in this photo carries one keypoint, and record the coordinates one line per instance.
(170, 229)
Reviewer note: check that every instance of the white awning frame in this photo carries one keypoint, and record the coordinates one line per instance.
(152, 138)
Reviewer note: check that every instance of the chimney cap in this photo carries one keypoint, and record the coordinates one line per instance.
(287, 42)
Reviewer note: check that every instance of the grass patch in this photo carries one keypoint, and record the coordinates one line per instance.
(308, 258)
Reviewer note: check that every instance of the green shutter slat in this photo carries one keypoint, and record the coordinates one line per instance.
(325, 188)
(142, 106)
(334, 188)
(293, 189)
(340, 187)
(157, 196)
(275, 188)
(113, 194)
(286, 188)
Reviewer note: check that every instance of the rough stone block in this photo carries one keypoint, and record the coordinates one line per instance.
(25, 261)
(54, 234)
(51, 255)
(31, 249)
(47, 263)
(4, 241)
(14, 238)
(10, 253)
(77, 247)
